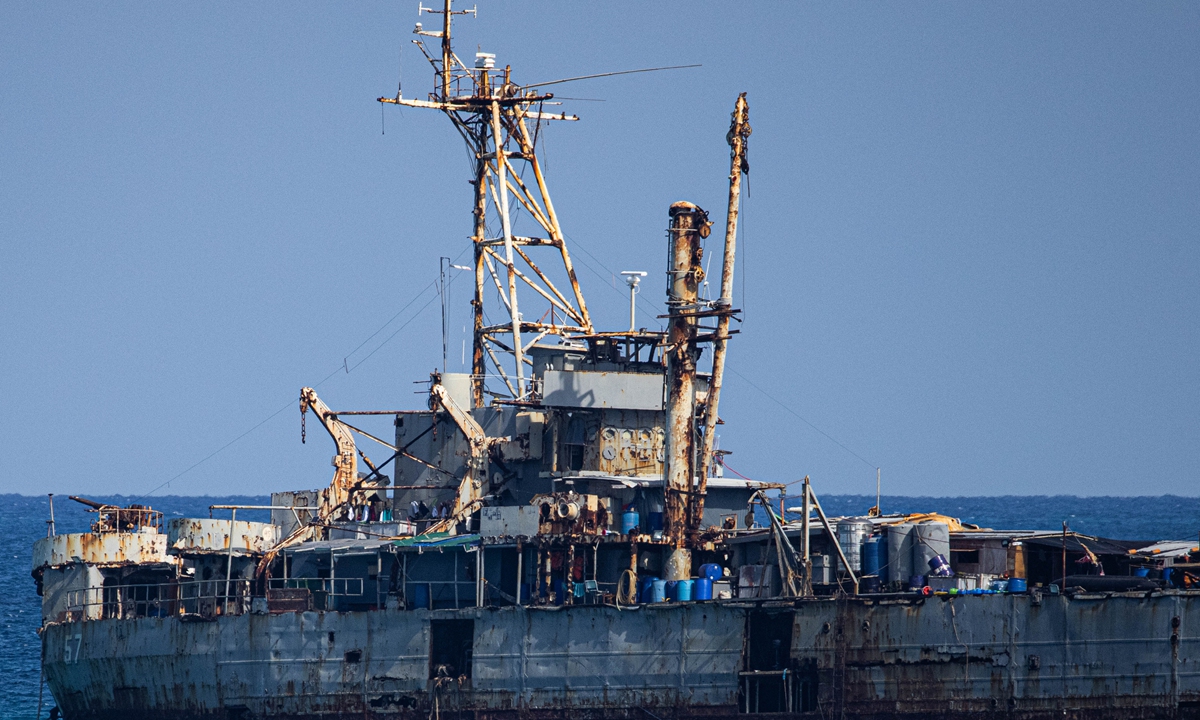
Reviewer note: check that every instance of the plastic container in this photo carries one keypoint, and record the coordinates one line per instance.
(1016, 585)
(1000, 586)
(851, 533)
(870, 556)
(629, 522)
(419, 596)
(712, 571)
(672, 590)
(868, 584)
(656, 522)
(939, 567)
(646, 588)
(703, 589)
(1142, 572)
(683, 590)
(930, 539)
(658, 591)
(900, 552)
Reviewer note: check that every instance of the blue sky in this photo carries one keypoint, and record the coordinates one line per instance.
(970, 249)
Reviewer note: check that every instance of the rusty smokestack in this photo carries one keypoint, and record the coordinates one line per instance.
(689, 224)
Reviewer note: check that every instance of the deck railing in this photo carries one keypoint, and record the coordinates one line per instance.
(207, 598)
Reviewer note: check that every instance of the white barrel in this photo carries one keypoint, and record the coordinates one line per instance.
(929, 540)
(851, 534)
(900, 553)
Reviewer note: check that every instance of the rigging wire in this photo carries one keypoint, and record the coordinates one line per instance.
(609, 74)
(343, 367)
(803, 419)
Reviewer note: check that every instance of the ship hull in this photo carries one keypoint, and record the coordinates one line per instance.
(1012, 656)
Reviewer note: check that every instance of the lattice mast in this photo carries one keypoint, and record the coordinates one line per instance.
(495, 118)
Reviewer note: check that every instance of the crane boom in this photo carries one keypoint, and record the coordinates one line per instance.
(345, 475)
(470, 488)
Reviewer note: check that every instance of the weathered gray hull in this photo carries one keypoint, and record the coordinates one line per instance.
(1004, 655)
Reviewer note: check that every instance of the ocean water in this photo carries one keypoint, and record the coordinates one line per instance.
(24, 519)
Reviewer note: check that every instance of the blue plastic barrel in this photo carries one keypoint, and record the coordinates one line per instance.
(1016, 585)
(683, 590)
(1166, 576)
(629, 522)
(420, 596)
(656, 522)
(870, 556)
(672, 590)
(646, 588)
(1142, 572)
(703, 589)
(712, 571)
(658, 591)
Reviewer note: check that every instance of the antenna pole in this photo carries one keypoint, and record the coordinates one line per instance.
(442, 281)
(490, 112)
(446, 52)
(805, 540)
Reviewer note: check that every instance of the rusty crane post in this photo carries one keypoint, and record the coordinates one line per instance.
(684, 276)
(739, 132)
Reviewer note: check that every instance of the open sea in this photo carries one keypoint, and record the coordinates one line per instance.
(1131, 518)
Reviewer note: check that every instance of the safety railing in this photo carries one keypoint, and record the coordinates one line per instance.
(336, 587)
(207, 598)
(324, 591)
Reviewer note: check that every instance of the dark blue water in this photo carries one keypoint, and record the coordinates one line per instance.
(23, 520)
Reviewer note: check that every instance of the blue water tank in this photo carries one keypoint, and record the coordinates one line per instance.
(658, 591)
(1016, 585)
(672, 590)
(683, 590)
(629, 522)
(420, 596)
(712, 571)
(646, 588)
(870, 556)
(703, 588)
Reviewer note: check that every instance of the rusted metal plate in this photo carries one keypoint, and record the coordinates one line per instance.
(283, 600)
(929, 658)
(202, 535)
(113, 548)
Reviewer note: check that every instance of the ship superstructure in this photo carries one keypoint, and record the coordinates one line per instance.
(553, 536)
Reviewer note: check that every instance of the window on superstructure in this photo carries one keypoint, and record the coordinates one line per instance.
(574, 444)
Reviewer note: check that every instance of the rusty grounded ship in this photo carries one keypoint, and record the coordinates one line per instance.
(557, 538)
